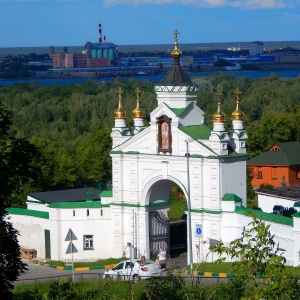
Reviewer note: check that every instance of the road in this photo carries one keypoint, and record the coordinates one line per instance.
(39, 273)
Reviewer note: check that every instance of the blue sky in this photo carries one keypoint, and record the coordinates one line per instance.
(33, 23)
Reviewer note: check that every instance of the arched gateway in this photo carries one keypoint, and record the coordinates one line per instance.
(178, 148)
(209, 166)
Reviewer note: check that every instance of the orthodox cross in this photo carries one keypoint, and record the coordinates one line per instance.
(237, 92)
(176, 32)
(138, 93)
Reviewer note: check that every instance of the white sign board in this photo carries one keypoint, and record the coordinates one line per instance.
(198, 231)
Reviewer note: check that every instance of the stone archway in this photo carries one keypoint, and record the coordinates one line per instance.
(162, 233)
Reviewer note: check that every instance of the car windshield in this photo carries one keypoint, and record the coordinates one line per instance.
(119, 266)
(129, 264)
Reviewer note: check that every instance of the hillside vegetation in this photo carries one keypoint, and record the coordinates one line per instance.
(71, 124)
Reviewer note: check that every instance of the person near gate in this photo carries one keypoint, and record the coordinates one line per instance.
(162, 257)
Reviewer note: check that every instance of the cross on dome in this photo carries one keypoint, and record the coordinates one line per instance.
(237, 114)
(120, 112)
(138, 112)
(219, 116)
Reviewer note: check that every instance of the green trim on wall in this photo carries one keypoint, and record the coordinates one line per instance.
(116, 152)
(78, 205)
(232, 197)
(138, 205)
(28, 212)
(132, 152)
(296, 215)
(264, 216)
(214, 212)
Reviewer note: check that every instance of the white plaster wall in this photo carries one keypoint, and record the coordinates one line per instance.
(266, 203)
(37, 206)
(62, 220)
(234, 181)
(31, 231)
(176, 99)
(296, 249)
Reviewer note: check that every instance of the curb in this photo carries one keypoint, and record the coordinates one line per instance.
(69, 268)
(211, 274)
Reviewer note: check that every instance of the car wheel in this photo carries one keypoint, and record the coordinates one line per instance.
(108, 277)
(135, 278)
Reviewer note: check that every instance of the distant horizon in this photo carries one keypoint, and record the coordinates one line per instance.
(158, 44)
(269, 45)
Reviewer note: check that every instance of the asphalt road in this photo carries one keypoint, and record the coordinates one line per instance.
(40, 273)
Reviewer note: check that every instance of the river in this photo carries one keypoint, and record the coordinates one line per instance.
(155, 78)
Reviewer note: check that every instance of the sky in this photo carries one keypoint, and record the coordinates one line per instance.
(40, 23)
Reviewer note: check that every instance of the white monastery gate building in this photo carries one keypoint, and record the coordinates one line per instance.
(209, 165)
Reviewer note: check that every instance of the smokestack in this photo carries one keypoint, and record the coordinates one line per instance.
(100, 33)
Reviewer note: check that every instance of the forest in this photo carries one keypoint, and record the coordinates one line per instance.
(70, 125)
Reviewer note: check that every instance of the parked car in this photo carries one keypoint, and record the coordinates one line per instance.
(133, 270)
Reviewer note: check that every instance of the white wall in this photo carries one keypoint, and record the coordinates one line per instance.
(266, 202)
(31, 231)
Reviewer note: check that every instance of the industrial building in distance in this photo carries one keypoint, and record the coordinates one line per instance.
(102, 59)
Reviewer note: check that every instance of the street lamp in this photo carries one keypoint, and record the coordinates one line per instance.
(190, 248)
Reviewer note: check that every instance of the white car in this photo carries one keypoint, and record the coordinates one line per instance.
(133, 270)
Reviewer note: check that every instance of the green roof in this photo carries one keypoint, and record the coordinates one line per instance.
(288, 155)
(106, 194)
(264, 216)
(179, 111)
(232, 197)
(94, 204)
(28, 212)
(197, 132)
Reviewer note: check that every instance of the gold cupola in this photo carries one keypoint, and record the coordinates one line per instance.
(120, 112)
(176, 53)
(219, 116)
(237, 114)
(138, 112)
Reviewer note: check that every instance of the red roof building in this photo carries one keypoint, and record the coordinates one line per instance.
(279, 166)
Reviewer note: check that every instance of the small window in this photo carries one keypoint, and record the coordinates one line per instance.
(259, 173)
(88, 243)
(87, 212)
(274, 172)
(73, 212)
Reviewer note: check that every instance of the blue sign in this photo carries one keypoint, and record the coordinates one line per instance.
(198, 231)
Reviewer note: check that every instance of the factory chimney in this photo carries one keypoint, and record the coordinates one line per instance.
(100, 33)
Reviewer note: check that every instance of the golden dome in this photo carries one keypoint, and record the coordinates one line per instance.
(176, 53)
(138, 112)
(219, 116)
(120, 112)
(237, 114)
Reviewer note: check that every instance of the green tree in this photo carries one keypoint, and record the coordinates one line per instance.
(17, 170)
(256, 253)
(92, 158)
